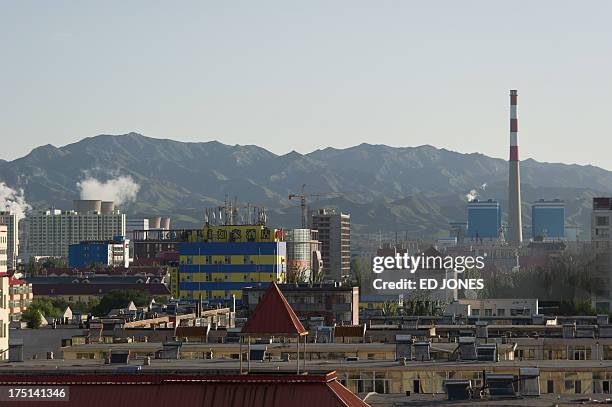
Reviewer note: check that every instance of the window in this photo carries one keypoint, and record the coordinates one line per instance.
(501, 312)
(550, 386)
(602, 221)
(476, 312)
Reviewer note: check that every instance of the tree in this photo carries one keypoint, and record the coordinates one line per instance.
(40, 307)
(297, 274)
(32, 317)
(361, 272)
(119, 299)
(390, 308)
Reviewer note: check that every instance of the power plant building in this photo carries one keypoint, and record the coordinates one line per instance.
(548, 219)
(49, 233)
(335, 237)
(216, 263)
(484, 220)
(515, 224)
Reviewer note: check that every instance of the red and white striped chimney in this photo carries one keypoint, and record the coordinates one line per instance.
(513, 127)
(515, 224)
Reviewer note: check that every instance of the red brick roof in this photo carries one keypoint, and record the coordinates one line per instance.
(135, 390)
(12, 279)
(273, 315)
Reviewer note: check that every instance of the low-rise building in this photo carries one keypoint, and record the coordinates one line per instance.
(114, 253)
(20, 297)
(494, 307)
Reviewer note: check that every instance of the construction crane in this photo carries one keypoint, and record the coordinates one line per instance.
(302, 197)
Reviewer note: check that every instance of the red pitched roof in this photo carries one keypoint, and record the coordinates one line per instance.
(273, 315)
(143, 389)
(12, 280)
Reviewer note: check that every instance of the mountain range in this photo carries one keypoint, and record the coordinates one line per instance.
(412, 190)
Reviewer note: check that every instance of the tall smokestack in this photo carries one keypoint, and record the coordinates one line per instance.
(515, 225)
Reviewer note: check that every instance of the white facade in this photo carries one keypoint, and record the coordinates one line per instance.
(119, 254)
(3, 249)
(494, 307)
(136, 224)
(10, 220)
(49, 233)
(4, 294)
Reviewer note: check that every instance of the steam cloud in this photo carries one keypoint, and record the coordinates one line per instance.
(470, 196)
(121, 189)
(13, 201)
(473, 194)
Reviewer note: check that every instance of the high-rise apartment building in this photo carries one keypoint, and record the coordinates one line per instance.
(12, 223)
(50, 232)
(548, 219)
(3, 249)
(335, 237)
(601, 240)
(4, 293)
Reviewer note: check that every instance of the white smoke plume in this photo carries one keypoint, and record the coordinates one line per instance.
(13, 201)
(121, 189)
(470, 196)
(473, 194)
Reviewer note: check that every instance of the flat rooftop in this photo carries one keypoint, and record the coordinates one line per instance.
(544, 400)
(231, 366)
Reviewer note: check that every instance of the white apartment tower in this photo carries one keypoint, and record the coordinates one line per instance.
(4, 293)
(50, 232)
(12, 224)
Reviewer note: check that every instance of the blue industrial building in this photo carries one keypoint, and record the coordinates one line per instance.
(548, 219)
(484, 219)
(108, 252)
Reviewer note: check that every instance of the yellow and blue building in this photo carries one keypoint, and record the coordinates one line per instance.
(219, 261)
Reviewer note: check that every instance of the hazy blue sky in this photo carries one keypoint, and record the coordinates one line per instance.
(309, 74)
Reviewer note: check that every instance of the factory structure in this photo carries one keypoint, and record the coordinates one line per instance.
(484, 220)
(515, 223)
(484, 217)
(548, 219)
(113, 252)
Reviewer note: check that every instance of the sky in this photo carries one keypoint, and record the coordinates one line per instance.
(289, 75)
